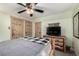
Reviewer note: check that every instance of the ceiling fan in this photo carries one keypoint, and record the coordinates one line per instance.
(29, 8)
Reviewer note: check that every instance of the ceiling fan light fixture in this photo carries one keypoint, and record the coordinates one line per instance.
(29, 11)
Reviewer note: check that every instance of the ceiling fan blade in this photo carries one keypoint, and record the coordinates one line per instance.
(21, 11)
(21, 4)
(38, 10)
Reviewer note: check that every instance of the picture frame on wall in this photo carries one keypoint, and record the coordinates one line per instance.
(76, 25)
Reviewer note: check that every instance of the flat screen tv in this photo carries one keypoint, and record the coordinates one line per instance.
(54, 31)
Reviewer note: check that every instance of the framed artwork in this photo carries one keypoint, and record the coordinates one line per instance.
(76, 25)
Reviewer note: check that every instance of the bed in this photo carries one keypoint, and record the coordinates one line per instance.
(24, 47)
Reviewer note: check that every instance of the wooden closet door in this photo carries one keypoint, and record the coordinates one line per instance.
(17, 28)
(28, 28)
(38, 29)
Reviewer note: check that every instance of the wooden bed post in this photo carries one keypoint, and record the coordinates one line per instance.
(52, 51)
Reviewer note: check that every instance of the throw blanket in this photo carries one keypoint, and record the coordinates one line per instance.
(43, 41)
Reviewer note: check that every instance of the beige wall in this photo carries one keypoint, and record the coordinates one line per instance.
(4, 24)
(76, 45)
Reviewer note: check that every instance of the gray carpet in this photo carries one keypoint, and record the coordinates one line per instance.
(68, 53)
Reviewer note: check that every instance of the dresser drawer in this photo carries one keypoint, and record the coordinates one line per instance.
(57, 43)
(56, 46)
(59, 40)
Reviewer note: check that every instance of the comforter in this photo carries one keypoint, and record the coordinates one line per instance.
(19, 47)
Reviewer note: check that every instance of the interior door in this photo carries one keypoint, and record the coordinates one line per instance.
(38, 29)
(28, 28)
(16, 28)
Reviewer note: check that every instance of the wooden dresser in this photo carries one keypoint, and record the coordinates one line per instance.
(57, 43)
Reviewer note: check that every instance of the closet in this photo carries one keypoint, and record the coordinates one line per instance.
(17, 27)
(28, 28)
(37, 29)
(20, 28)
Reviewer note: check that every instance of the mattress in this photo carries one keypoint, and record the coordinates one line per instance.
(20, 47)
(45, 51)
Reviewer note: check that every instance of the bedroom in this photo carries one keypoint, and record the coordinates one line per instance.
(20, 26)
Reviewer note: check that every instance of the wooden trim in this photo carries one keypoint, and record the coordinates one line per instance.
(78, 24)
(51, 53)
(11, 28)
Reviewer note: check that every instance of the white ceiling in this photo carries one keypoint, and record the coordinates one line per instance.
(49, 9)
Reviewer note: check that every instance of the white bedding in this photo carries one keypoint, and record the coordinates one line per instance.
(24, 48)
(45, 51)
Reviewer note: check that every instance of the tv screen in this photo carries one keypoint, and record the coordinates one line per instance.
(54, 31)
